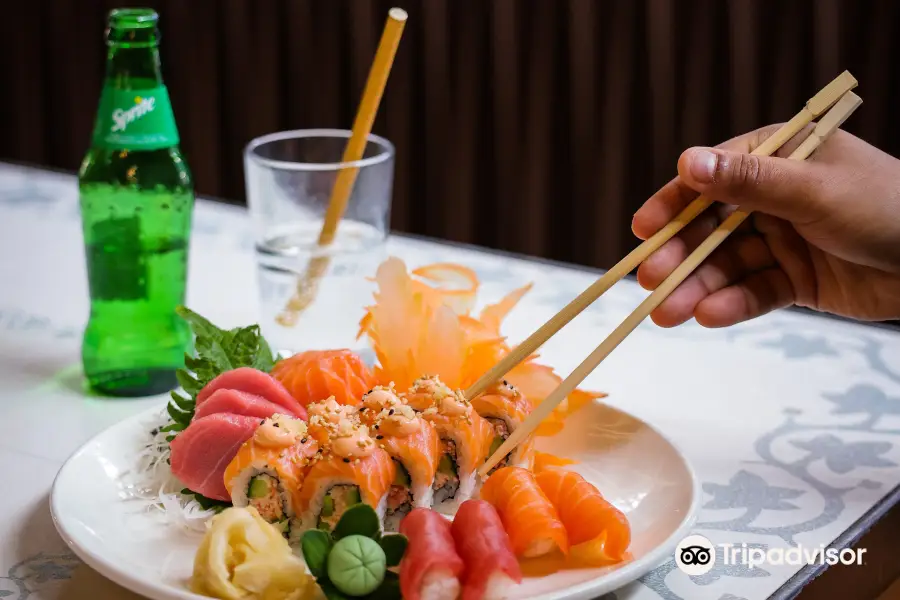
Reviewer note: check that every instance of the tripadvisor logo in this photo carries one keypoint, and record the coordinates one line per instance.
(122, 117)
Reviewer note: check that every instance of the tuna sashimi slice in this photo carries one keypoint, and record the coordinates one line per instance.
(252, 381)
(239, 403)
(201, 453)
(491, 568)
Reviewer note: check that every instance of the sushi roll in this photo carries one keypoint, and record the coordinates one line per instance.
(505, 408)
(414, 445)
(349, 468)
(465, 440)
(269, 468)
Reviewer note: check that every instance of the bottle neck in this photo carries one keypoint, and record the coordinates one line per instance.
(133, 68)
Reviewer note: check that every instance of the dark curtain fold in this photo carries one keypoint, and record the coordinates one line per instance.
(536, 126)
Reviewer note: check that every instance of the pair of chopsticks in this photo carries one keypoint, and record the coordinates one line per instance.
(836, 96)
(308, 284)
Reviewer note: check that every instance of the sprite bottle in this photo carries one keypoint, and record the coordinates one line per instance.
(136, 195)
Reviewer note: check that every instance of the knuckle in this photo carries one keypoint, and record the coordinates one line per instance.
(740, 171)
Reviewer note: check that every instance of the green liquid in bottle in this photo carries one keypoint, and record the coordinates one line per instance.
(136, 198)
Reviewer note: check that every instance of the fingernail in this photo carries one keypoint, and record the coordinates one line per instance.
(703, 165)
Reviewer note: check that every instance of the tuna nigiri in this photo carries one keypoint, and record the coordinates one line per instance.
(530, 519)
(239, 403)
(269, 468)
(598, 532)
(252, 381)
(484, 546)
(317, 374)
(200, 453)
(431, 568)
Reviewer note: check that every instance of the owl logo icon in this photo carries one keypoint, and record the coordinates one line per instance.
(695, 555)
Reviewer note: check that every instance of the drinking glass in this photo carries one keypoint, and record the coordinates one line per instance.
(289, 179)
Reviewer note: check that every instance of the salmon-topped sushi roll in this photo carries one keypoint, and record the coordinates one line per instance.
(505, 408)
(465, 439)
(268, 470)
(414, 445)
(348, 468)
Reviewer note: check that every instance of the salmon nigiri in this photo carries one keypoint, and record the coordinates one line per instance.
(533, 524)
(598, 532)
(315, 375)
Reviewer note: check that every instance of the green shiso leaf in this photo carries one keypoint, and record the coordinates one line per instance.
(394, 547)
(315, 545)
(359, 519)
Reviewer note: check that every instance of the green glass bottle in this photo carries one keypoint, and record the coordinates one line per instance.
(137, 199)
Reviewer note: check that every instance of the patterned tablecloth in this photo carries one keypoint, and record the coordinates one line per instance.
(791, 421)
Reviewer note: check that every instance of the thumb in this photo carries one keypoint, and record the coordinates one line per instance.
(785, 188)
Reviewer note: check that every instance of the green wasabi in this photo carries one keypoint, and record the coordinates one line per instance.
(356, 565)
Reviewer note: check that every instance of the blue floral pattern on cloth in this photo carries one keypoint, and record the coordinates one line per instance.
(30, 576)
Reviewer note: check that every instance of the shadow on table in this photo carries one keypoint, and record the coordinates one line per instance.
(50, 569)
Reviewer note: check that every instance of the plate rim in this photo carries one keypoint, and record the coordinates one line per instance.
(604, 584)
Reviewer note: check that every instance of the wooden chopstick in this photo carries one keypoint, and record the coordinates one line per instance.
(816, 105)
(826, 126)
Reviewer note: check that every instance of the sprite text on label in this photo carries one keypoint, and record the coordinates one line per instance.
(121, 118)
(135, 119)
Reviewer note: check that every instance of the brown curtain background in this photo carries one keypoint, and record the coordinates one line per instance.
(536, 126)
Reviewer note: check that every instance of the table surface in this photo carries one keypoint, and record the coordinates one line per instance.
(791, 421)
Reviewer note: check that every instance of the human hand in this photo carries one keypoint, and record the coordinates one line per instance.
(824, 233)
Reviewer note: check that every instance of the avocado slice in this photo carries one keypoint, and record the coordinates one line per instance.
(402, 477)
(498, 441)
(259, 488)
(327, 506)
(447, 466)
(353, 496)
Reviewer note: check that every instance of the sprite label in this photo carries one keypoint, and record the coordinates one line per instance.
(130, 119)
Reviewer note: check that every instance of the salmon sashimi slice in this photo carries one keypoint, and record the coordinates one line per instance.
(201, 453)
(418, 328)
(530, 519)
(411, 440)
(431, 568)
(315, 375)
(598, 532)
(372, 475)
(484, 546)
(239, 403)
(256, 382)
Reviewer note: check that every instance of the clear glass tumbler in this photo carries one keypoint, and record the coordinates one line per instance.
(289, 180)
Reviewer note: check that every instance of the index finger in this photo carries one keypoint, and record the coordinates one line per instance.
(672, 198)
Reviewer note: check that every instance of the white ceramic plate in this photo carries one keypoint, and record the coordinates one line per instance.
(635, 467)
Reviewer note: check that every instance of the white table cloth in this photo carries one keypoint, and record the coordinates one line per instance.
(791, 421)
